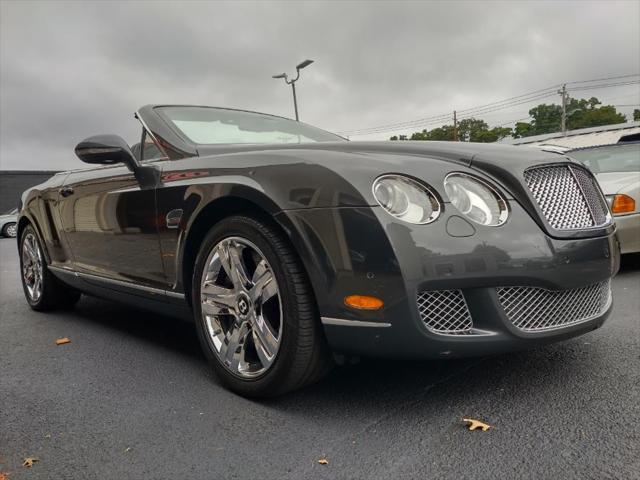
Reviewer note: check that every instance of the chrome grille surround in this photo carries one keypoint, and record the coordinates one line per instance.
(568, 196)
(533, 309)
(445, 312)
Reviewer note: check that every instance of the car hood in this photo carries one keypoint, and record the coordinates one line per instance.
(614, 182)
(457, 152)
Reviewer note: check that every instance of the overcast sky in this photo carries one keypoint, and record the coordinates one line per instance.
(69, 70)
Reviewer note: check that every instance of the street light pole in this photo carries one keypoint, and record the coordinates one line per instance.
(295, 100)
(293, 81)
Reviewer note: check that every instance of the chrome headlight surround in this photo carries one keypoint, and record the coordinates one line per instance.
(406, 199)
(478, 193)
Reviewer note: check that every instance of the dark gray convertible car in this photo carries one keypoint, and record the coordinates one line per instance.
(286, 243)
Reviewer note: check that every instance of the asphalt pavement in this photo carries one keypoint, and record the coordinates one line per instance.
(131, 397)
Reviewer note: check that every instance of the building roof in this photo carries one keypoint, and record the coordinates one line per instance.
(582, 137)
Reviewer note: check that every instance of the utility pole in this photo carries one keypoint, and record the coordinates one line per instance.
(293, 81)
(455, 127)
(563, 123)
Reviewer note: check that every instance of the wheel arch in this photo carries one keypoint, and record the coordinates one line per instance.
(224, 207)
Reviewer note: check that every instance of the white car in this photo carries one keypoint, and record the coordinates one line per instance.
(617, 168)
(8, 223)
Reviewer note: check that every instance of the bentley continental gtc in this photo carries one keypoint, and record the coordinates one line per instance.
(287, 245)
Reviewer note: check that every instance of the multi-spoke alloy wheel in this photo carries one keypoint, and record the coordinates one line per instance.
(256, 316)
(10, 230)
(41, 288)
(32, 271)
(241, 307)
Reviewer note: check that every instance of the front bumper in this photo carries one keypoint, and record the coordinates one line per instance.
(628, 227)
(366, 251)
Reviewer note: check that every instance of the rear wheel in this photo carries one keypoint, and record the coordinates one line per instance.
(10, 230)
(255, 313)
(42, 290)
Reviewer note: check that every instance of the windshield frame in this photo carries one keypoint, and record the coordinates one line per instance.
(161, 109)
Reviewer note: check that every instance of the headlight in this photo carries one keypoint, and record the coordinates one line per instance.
(476, 199)
(406, 199)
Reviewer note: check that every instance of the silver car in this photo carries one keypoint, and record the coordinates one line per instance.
(8, 223)
(617, 168)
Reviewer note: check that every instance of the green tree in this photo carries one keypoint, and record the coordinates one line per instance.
(493, 135)
(636, 114)
(581, 113)
(444, 133)
(470, 129)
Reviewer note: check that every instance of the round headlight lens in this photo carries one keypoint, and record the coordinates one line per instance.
(476, 199)
(406, 199)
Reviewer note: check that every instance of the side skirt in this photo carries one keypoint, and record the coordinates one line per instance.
(155, 300)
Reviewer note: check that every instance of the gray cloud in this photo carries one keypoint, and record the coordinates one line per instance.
(72, 69)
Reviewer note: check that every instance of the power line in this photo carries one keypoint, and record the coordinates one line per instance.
(534, 96)
(493, 106)
(606, 78)
(605, 85)
(446, 116)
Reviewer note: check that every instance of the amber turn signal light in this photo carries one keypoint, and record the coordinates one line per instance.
(363, 302)
(623, 204)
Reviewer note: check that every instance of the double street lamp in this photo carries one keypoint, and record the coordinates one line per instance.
(293, 81)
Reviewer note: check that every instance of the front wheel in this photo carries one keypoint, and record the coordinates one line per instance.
(42, 290)
(256, 316)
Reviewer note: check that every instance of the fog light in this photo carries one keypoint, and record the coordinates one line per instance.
(363, 302)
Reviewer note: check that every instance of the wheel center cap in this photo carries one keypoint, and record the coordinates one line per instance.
(243, 304)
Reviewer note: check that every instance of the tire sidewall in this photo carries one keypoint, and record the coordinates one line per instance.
(249, 229)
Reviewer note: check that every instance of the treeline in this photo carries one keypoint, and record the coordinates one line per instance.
(545, 118)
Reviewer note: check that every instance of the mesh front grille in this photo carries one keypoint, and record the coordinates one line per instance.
(599, 209)
(537, 309)
(445, 311)
(568, 197)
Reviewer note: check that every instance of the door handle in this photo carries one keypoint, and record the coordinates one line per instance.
(66, 191)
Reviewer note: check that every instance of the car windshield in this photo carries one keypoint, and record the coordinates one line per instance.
(12, 212)
(616, 158)
(206, 125)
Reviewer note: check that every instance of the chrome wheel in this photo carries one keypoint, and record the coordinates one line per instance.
(32, 272)
(241, 307)
(11, 230)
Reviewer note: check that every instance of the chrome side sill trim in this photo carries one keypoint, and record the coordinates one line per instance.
(118, 282)
(175, 294)
(351, 323)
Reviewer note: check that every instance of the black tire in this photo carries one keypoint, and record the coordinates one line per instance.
(303, 356)
(54, 294)
(9, 230)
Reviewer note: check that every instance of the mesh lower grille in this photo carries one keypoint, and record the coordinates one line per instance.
(568, 197)
(445, 311)
(535, 309)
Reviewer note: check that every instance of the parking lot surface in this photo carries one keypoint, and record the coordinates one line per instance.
(131, 397)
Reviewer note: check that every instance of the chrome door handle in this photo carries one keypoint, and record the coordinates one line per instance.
(66, 191)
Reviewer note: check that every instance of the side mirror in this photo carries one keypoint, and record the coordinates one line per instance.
(106, 150)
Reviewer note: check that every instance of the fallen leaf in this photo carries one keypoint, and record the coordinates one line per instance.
(323, 461)
(4, 476)
(62, 341)
(29, 461)
(473, 424)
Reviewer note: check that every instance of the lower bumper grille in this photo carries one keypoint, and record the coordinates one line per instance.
(445, 312)
(537, 309)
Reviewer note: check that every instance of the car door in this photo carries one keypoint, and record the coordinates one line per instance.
(109, 221)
